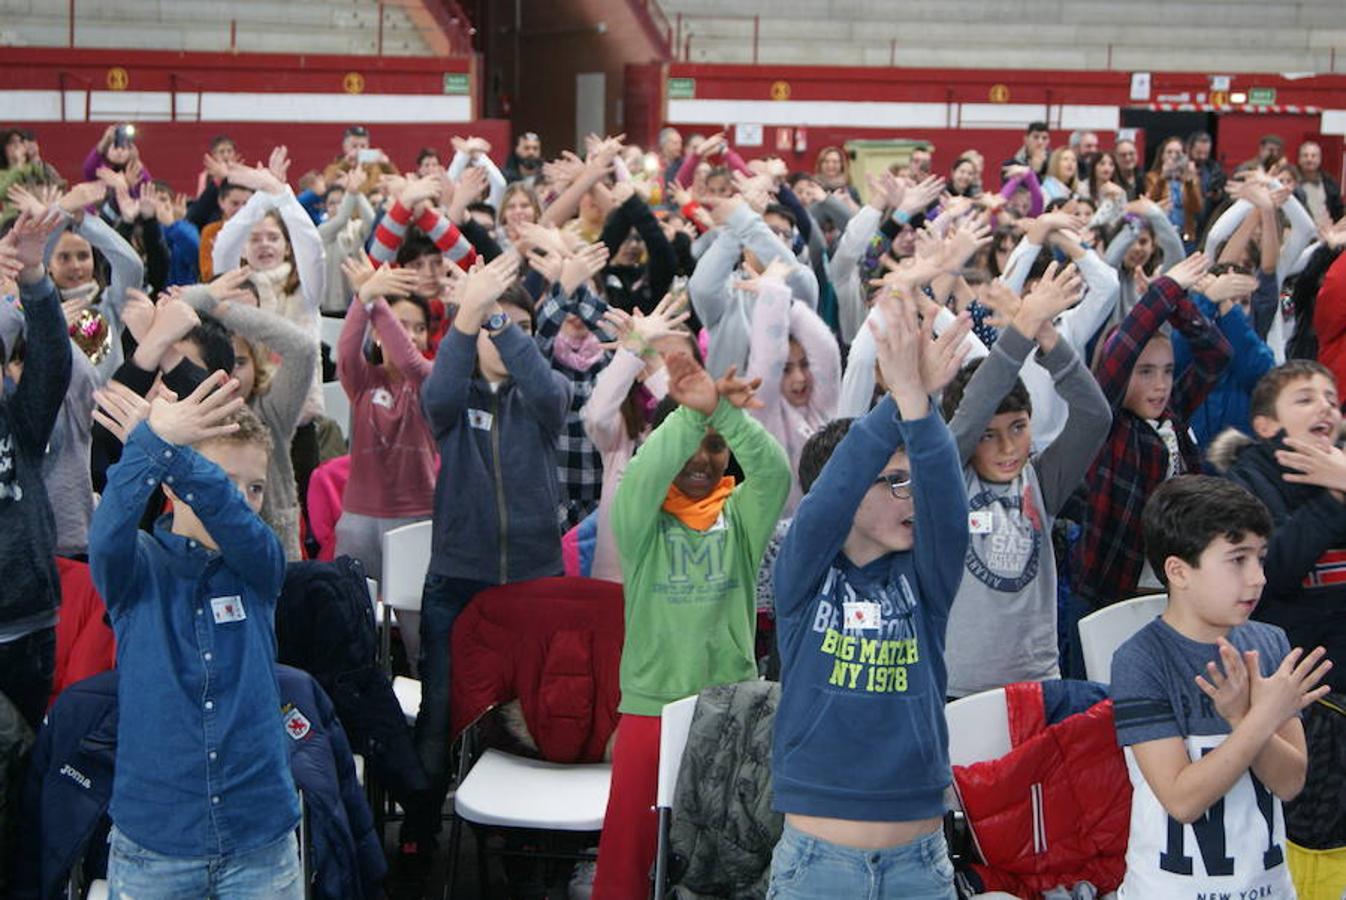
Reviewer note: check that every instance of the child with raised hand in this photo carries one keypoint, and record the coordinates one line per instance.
(690, 542)
(394, 459)
(625, 396)
(30, 592)
(1207, 705)
(1013, 496)
(1149, 441)
(203, 803)
(276, 394)
(570, 320)
(495, 407)
(797, 358)
(864, 581)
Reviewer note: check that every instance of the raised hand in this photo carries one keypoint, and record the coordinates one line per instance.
(256, 179)
(278, 164)
(357, 269)
(418, 189)
(776, 270)
(897, 338)
(690, 384)
(25, 200)
(1225, 287)
(119, 409)
(919, 196)
(565, 170)
(388, 282)
(28, 239)
(214, 168)
(137, 314)
(721, 208)
(111, 178)
(546, 263)
(583, 265)
(738, 391)
(1055, 292)
(1313, 463)
(1229, 690)
(1000, 299)
(201, 415)
(962, 243)
(482, 287)
(1189, 270)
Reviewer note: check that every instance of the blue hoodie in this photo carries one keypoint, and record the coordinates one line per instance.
(1229, 403)
(860, 731)
(497, 493)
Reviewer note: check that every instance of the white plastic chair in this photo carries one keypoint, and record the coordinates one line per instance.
(1102, 632)
(337, 407)
(330, 330)
(406, 560)
(978, 731)
(675, 724)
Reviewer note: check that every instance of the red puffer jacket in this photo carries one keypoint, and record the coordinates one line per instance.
(1056, 809)
(555, 644)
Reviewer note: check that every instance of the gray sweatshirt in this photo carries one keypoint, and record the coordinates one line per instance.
(1002, 627)
(340, 240)
(66, 468)
(722, 308)
(279, 407)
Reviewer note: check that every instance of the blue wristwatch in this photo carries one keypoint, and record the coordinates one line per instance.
(497, 321)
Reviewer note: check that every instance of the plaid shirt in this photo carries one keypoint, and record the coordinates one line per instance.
(1134, 461)
(579, 466)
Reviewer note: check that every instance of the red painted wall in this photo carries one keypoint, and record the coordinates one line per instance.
(172, 150)
(1238, 132)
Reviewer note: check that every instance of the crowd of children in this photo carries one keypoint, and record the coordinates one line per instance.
(924, 435)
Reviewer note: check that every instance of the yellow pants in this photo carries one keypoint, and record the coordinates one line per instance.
(1318, 874)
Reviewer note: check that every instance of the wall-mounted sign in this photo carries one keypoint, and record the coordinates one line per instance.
(999, 93)
(457, 83)
(117, 79)
(748, 135)
(353, 83)
(1261, 96)
(780, 90)
(681, 88)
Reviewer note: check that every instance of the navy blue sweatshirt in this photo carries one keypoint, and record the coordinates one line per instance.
(31, 589)
(497, 493)
(860, 731)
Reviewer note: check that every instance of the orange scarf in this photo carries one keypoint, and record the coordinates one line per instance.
(698, 514)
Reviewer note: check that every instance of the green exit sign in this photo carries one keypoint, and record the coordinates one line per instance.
(681, 88)
(457, 83)
(1261, 96)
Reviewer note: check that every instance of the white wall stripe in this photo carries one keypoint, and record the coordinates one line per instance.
(107, 106)
(861, 114)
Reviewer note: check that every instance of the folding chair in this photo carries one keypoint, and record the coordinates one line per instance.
(406, 560)
(978, 730)
(330, 330)
(1102, 632)
(337, 406)
(502, 790)
(675, 724)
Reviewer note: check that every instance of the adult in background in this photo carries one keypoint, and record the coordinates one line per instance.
(1318, 191)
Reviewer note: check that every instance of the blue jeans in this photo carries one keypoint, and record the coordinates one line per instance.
(442, 600)
(805, 868)
(268, 873)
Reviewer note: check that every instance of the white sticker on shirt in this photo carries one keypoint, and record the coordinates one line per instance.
(860, 615)
(227, 609)
(480, 418)
(980, 521)
(296, 726)
(382, 397)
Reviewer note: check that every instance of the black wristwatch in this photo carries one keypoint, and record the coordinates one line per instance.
(496, 322)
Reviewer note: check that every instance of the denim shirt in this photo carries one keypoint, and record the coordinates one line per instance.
(202, 767)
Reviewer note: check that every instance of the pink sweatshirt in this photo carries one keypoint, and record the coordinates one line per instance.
(603, 423)
(394, 460)
(775, 319)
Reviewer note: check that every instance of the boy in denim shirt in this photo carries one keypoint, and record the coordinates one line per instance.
(203, 803)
